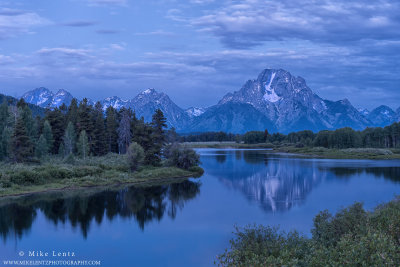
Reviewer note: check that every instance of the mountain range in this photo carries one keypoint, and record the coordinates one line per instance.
(276, 100)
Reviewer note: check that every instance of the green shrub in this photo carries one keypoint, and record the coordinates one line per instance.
(352, 237)
(25, 177)
(82, 171)
(181, 156)
(265, 246)
(135, 156)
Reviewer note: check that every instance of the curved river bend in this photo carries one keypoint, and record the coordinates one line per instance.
(188, 223)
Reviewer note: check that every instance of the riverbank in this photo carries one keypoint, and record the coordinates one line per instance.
(227, 145)
(60, 174)
(311, 152)
(349, 153)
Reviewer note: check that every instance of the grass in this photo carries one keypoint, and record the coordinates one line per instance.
(314, 152)
(72, 173)
(226, 145)
(349, 153)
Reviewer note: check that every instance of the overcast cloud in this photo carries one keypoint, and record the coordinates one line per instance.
(197, 51)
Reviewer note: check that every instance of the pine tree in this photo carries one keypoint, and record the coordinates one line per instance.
(48, 135)
(5, 143)
(111, 130)
(83, 145)
(85, 120)
(142, 134)
(21, 103)
(26, 114)
(41, 149)
(124, 131)
(69, 139)
(61, 150)
(57, 121)
(99, 133)
(22, 147)
(158, 124)
(72, 113)
(63, 108)
(4, 114)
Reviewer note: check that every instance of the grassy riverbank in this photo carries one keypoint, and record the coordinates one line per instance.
(349, 153)
(226, 145)
(312, 152)
(62, 174)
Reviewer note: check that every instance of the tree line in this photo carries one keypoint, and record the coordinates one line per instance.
(79, 129)
(377, 137)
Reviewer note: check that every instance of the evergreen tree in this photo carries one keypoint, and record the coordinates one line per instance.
(63, 108)
(99, 133)
(158, 124)
(41, 149)
(72, 113)
(61, 150)
(111, 130)
(4, 114)
(142, 135)
(57, 120)
(124, 131)
(83, 145)
(84, 120)
(48, 135)
(5, 143)
(26, 114)
(152, 150)
(69, 139)
(21, 103)
(22, 147)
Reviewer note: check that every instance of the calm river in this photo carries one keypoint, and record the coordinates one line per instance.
(189, 223)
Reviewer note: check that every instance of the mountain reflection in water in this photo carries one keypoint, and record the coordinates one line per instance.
(279, 182)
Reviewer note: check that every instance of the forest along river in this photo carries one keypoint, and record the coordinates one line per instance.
(189, 223)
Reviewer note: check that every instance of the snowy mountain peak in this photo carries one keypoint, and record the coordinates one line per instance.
(61, 97)
(114, 102)
(194, 111)
(148, 91)
(382, 116)
(364, 111)
(40, 96)
(287, 101)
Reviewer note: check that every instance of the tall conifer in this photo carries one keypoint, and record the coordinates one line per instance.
(111, 130)
(99, 131)
(22, 147)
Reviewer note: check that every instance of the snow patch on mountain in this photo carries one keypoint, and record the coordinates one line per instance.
(194, 111)
(115, 102)
(364, 111)
(270, 94)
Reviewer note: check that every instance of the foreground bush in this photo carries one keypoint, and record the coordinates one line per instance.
(352, 237)
(181, 156)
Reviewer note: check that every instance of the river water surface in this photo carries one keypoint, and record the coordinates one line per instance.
(190, 222)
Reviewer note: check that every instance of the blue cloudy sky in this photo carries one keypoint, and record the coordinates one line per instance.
(196, 51)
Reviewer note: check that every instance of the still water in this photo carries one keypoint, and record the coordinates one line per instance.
(188, 223)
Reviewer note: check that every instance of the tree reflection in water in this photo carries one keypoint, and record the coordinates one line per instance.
(144, 204)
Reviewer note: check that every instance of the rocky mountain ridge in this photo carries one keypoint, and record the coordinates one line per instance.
(276, 100)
